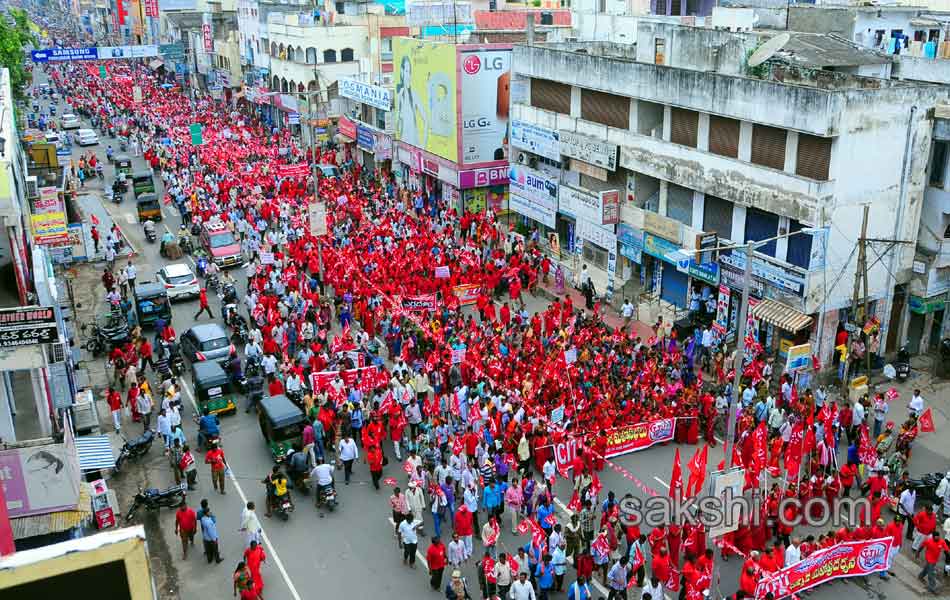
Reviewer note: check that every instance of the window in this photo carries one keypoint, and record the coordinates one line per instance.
(606, 109)
(595, 255)
(290, 53)
(386, 48)
(311, 56)
(684, 126)
(329, 56)
(814, 157)
(717, 217)
(346, 55)
(298, 53)
(938, 164)
(679, 204)
(724, 136)
(799, 246)
(380, 119)
(340, 7)
(551, 95)
(768, 146)
(659, 51)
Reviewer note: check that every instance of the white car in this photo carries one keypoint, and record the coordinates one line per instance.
(86, 137)
(179, 281)
(70, 121)
(53, 138)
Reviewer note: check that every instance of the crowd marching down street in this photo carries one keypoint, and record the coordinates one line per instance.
(416, 353)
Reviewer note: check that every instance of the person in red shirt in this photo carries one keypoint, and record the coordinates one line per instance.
(203, 304)
(847, 474)
(584, 565)
(748, 581)
(435, 558)
(933, 546)
(186, 524)
(924, 524)
(895, 530)
(215, 458)
(114, 398)
(374, 458)
(661, 565)
(145, 355)
(275, 387)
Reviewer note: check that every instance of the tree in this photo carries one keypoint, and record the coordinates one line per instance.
(13, 41)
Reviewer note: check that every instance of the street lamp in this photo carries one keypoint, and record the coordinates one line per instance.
(748, 247)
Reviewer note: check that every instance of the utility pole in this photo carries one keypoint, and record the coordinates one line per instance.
(860, 277)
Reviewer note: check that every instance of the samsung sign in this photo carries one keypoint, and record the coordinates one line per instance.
(366, 94)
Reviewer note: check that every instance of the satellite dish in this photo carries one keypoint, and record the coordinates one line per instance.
(768, 49)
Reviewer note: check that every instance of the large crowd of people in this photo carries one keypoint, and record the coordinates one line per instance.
(465, 385)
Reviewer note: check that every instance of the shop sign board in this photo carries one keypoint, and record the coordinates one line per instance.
(536, 139)
(773, 274)
(587, 149)
(366, 93)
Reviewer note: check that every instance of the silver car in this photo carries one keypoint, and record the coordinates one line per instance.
(179, 281)
(70, 121)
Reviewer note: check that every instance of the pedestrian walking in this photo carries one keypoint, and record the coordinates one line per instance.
(347, 453)
(251, 526)
(254, 556)
(188, 467)
(409, 540)
(186, 525)
(933, 547)
(203, 304)
(243, 582)
(215, 458)
(209, 536)
(436, 559)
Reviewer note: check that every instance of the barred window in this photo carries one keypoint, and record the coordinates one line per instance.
(551, 95)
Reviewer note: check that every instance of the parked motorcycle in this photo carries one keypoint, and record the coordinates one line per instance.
(154, 499)
(926, 486)
(135, 448)
(902, 364)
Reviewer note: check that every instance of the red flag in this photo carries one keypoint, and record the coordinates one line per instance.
(926, 421)
(759, 448)
(387, 404)
(722, 465)
(94, 219)
(673, 582)
(697, 471)
(575, 503)
(676, 478)
(551, 519)
(458, 446)
(391, 481)
(524, 527)
(866, 451)
(595, 485)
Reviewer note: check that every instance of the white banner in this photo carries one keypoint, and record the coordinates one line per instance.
(587, 149)
(536, 139)
(365, 93)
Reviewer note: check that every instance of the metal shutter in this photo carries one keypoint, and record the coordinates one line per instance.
(679, 204)
(814, 157)
(551, 95)
(606, 109)
(799, 246)
(761, 225)
(684, 127)
(675, 8)
(717, 217)
(768, 146)
(674, 285)
(724, 136)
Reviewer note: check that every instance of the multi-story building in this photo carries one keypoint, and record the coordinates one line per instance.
(208, 31)
(639, 158)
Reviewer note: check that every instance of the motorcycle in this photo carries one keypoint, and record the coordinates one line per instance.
(201, 265)
(326, 497)
(184, 242)
(154, 498)
(135, 448)
(926, 486)
(235, 322)
(902, 364)
(213, 282)
(229, 294)
(150, 235)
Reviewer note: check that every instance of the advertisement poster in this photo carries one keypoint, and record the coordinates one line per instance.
(48, 218)
(847, 559)
(38, 480)
(533, 185)
(27, 325)
(486, 78)
(425, 100)
(536, 139)
(346, 127)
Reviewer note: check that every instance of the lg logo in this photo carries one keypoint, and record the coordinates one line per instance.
(472, 64)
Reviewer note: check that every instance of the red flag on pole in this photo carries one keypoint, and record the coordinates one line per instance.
(866, 451)
(676, 478)
(926, 421)
(697, 471)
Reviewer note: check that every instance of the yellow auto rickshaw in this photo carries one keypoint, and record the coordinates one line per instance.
(148, 207)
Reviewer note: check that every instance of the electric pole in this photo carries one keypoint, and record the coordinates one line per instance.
(860, 280)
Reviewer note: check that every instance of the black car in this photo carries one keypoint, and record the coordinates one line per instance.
(206, 342)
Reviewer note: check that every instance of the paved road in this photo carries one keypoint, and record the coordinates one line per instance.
(350, 553)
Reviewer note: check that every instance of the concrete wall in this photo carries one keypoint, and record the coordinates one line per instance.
(922, 69)
(821, 20)
(694, 47)
(792, 107)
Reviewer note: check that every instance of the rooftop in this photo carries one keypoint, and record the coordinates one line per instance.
(820, 51)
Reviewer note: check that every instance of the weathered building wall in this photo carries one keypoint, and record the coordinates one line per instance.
(694, 47)
(839, 21)
(922, 69)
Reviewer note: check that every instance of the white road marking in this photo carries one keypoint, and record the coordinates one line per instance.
(129, 218)
(661, 482)
(270, 547)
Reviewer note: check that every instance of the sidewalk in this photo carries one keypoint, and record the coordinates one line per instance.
(89, 203)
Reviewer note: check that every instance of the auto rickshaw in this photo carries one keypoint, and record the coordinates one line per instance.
(147, 207)
(151, 303)
(142, 183)
(213, 388)
(282, 424)
(123, 164)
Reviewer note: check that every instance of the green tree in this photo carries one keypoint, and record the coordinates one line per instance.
(13, 41)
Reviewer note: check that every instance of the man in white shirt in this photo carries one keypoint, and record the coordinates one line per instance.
(654, 588)
(916, 404)
(627, 312)
(409, 538)
(792, 553)
(348, 452)
(521, 589)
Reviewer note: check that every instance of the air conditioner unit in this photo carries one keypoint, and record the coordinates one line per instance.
(32, 189)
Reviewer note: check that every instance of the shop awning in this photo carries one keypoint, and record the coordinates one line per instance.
(156, 64)
(343, 139)
(784, 317)
(56, 522)
(95, 453)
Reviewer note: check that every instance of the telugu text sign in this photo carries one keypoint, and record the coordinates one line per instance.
(587, 149)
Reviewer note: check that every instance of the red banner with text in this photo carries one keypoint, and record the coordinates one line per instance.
(847, 559)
